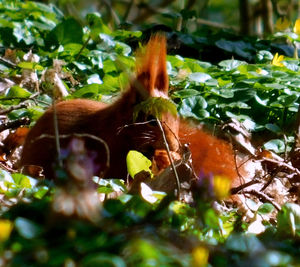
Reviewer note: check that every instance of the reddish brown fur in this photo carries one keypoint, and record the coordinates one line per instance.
(209, 154)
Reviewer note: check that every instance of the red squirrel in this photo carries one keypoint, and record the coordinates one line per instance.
(114, 124)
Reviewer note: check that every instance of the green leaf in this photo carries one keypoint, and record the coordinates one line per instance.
(275, 145)
(137, 162)
(185, 93)
(155, 106)
(27, 228)
(264, 56)
(41, 192)
(96, 25)
(94, 78)
(88, 91)
(103, 259)
(199, 77)
(265, 208)
(30, 66)
(231, 64)
(17, 91)
(110, 185)
(244, 243)
(72, 49)
(68, 31)
(273, 128)
(194, 107)
(288, 220)
(240, 47)
(23, 181)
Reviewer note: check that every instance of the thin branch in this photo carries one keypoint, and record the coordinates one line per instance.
(170, 158)
(14, 124)
(3, 166)
(11, 108)
(263, 197)
(283, 164)
(83, 47)
(128, 10)
(239, 188)
(56, 132)
(81, 135)
(7, 62)
(151, 11)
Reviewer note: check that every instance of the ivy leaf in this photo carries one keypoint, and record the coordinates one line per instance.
(275, 145)
(265, 208)
(231, 64)
(137, 162)
(199, 77)
(155, 106)
(194, 107)
(68, 31)
(96, 25)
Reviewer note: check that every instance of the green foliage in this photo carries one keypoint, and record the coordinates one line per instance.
(154, 106)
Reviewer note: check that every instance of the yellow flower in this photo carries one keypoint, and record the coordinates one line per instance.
(276, 61)
(297, 27)
(222, 186)
(6, 227)
(282, 24)
(200, 256)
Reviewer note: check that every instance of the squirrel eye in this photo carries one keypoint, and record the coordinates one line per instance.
(152, 120)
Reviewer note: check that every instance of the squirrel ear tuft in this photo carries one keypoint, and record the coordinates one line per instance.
(152, 67)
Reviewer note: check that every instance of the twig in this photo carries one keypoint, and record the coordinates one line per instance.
(282, 164)
(14, 124)
(7, 62)
(56, 132)
(128, 10)
(3, 166)
(83, 46)
(239, 188)
(170, 158)
(112, 12)
(11, 108)
(216, 24)
(100, 140)
(263, 197)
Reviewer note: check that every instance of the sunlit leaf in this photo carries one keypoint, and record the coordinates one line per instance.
(137, 162)
(275, 145)
(30, 66)
(199, 77)
(200, 256)
(6, 227)
(296, 28)
(149, 195)
(282, 24)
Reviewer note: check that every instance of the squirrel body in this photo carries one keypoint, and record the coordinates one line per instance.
(115, 126)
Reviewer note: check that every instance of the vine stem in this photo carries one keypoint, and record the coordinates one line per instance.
(170, 158)
(56, 134)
